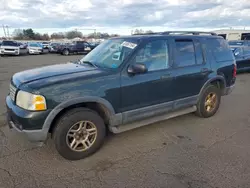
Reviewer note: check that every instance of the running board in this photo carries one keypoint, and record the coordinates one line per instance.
(137, 124)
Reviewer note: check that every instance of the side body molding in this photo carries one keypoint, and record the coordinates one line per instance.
(79, 100)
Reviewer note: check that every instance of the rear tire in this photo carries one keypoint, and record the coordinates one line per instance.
(209, 102)
(65, 133)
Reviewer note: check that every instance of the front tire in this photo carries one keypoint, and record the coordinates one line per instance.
(209, 102)
(65, 52)
(79, 133)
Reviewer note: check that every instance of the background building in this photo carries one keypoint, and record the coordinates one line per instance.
(233, 34)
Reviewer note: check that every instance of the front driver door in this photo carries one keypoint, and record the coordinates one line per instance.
(150, 93)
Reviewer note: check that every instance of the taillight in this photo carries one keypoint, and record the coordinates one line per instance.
(234, 71)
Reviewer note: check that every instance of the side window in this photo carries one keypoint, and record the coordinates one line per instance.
(220, 49)
(154, 55)
(185, 53)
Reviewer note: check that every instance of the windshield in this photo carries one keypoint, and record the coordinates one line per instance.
(54, 44)
(9, 43)
(33, 45)
(110, 53)
(235, 43)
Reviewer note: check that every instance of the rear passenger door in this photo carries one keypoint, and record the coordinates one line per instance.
(191, 71)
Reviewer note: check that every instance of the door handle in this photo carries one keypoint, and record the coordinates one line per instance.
(166, 76)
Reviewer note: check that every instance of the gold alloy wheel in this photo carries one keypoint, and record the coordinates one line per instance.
(81, 136)
(210, 102)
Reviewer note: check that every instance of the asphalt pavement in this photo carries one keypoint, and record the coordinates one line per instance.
(184, 152)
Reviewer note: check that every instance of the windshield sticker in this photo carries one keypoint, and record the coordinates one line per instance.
(114, 66)
(129, 44)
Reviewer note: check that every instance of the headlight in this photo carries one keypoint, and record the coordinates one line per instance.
(30, 101)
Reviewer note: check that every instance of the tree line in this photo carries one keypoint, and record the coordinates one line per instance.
(141, 31)
(30, 34)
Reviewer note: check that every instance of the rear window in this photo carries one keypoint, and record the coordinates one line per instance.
(220, 49)
(9, 43)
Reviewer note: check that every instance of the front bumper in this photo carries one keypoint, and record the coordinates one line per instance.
(35, 52)
(30, 124)
(228, 90)
(8, 52)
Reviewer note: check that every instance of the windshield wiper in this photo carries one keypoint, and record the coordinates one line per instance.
(87, 62)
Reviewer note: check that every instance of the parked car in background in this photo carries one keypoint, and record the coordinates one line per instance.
(53, 47)
(45, 49)
(239, 43)
(35, 48)
(10, 47)
(23, 45)
(241, 50)
(75, 48)
(150, 78)
(94, 44)
(45, 45)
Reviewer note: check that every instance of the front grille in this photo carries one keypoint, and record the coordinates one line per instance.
(12, 92)
(7, 49)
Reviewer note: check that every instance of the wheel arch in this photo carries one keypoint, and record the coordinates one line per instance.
(218, 81)
(100, 105)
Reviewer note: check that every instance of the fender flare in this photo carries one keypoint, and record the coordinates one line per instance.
(74, 101)
(219, 78)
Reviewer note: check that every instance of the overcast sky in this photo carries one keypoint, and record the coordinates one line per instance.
(121, 16)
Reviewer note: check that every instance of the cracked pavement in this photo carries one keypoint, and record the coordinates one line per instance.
(184, 152)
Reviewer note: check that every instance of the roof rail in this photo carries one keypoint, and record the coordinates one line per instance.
(178, 33)
(153, 33)
(188, 32)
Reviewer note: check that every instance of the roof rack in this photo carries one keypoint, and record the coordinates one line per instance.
(188, 32)
(153, 33)
(179, 33)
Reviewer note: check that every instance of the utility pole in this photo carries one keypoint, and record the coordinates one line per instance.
(7, 27)
(4, 31)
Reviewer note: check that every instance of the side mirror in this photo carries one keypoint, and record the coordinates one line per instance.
(137, 68)
(236, 53)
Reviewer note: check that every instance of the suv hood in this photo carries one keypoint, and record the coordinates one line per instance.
(48, 71)
(9, 47)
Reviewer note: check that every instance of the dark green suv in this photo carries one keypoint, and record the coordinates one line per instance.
(124, 83)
